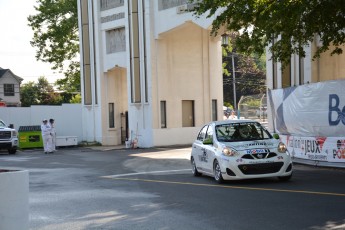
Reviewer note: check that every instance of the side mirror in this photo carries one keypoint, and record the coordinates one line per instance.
(11, 126)
(276, 136)
(208, 141)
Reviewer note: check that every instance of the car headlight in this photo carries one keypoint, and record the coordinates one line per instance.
(14, 134)
(229, 152)
(282, 147)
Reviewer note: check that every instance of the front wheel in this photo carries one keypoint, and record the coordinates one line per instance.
(217, 172)
(194, 169)
(12, 151)
(285, 178)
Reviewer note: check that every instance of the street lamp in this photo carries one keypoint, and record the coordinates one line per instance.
(225, 39)
(225, 43)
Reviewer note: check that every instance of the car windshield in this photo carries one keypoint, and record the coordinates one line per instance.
(241, 132)
(2, 124)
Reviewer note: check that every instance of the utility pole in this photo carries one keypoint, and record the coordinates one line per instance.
(233, 80)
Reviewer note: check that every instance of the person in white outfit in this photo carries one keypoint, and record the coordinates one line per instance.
(46, 136)
(53, 134)
(233, 115)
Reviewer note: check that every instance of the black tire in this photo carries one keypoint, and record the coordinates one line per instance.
(285, 178)
(12, 151)
(194, 168)
(217, 172)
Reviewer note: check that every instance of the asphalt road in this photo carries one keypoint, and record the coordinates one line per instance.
(86, 188)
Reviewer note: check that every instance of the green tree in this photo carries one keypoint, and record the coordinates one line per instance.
(46, 94)
(40, 93)
(250, 71)
(29, 94)
(261, 22)
(56, 38)
(76, 99)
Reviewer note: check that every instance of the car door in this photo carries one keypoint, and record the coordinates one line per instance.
(198, 148)
(208, 151)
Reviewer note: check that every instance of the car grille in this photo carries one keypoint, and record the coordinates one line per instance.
(264, 168)
(5, 135)
(5, 145)
(259, 156)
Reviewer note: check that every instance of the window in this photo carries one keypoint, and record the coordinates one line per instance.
(86, 68)
(241, 132)
(116, 40)
(9, 89)
(166, 4)
(111, 116)
(301, 71)
(274, 69)
(163, 114)
(188, 113)
(214, 110)
(209, 133)
(109, 4)
(202, 133)
(286, 76)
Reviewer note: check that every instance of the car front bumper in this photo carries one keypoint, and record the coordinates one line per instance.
(235, 168)
(13, 143)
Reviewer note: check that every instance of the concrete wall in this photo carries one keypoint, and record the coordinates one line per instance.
(68, 117)
(114, 87)
(187, 67)
(14, 200)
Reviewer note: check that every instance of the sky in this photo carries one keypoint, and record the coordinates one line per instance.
(16, 53)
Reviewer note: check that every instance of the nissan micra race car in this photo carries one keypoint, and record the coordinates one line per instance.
(239, 149)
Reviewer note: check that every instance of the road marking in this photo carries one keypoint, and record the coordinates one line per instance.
(145, 173)
(232, 187)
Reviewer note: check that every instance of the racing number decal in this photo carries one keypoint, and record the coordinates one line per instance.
(204, 156)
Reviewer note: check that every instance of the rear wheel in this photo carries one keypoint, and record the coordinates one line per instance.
(194, 168)
(217, 172)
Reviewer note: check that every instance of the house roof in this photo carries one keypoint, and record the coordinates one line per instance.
(4, 71)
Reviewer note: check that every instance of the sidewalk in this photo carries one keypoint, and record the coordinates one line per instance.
(123, 147)
(106, 148)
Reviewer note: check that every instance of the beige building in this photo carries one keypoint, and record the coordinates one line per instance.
(9, 88)
(151, 72)
(306, 70)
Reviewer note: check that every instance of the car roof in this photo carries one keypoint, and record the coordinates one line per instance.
(232, 121)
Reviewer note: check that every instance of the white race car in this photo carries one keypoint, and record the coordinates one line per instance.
(239, 149)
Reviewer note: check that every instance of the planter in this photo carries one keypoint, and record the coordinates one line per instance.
(14, 199)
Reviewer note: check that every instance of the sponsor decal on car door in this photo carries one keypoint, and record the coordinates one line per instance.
(198, 147)
(197, 153)
(208, 155)
(208, 150)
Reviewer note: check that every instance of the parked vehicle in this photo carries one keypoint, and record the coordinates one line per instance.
(239, 149)
(8, 138)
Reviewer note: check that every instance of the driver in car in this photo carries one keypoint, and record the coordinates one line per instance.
(245, 132)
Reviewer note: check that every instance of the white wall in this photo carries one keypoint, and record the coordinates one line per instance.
(174, 136)
(68, 117)
(169, 19)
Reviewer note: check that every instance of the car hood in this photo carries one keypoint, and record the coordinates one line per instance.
(255, 144)
(5, 128)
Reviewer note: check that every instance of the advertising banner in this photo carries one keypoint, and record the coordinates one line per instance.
(328, 149)
(309, 110)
